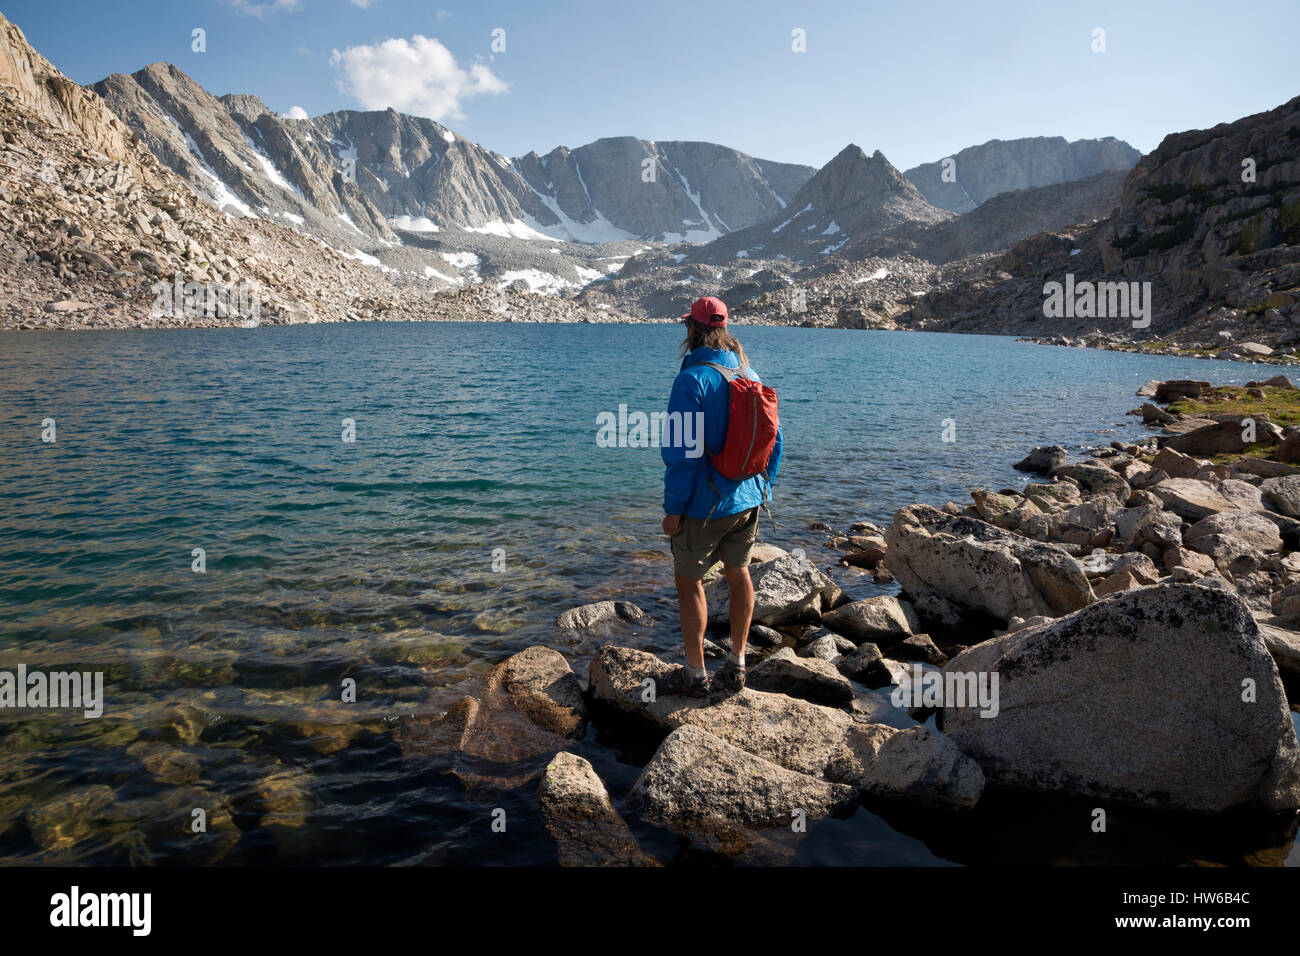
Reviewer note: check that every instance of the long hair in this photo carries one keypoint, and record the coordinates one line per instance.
(713, 337)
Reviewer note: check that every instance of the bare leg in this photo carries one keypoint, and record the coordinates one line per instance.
(694, 612)
(742, 606)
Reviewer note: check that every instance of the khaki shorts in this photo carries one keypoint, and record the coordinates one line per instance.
(728, 539)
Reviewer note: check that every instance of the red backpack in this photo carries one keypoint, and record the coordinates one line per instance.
(751, 427)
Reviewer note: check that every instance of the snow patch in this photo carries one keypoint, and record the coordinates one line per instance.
(222, 195)
(539, 282)
(599, 229)
(272, 173)
(413, 223)
(515, 229)
(432, 273)
(805, 209)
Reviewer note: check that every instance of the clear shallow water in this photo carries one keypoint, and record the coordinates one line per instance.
(374, 559)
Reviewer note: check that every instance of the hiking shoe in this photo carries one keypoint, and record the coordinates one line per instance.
(732, 675)
(679, 685)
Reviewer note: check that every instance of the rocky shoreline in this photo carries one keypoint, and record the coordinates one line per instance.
(1121, 624)
(1282, 352)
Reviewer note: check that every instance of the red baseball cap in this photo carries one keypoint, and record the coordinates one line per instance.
(709, 310)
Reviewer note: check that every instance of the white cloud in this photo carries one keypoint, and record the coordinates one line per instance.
(363, 4)
(418, 76)
(261, 9)
(296, 112)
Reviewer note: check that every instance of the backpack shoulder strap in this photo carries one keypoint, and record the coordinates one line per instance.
(728, 373)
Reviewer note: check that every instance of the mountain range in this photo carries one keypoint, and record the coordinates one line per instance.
(376, 214)
(381, 172)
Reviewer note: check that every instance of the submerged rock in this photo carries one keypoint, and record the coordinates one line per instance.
(165, 763)
(71, 818)
(539, 682)
(531, 707)
(578, 814)
(1134, 699)
(602, 612)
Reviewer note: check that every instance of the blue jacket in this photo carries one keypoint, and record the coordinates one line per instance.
(686, 480)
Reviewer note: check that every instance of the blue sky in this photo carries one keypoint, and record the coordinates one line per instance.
(916, 80)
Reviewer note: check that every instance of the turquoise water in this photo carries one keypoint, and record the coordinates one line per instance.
(471, 508)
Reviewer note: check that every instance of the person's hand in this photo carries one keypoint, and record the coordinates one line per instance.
(672, 524)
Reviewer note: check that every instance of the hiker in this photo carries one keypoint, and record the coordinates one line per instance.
(709, 516)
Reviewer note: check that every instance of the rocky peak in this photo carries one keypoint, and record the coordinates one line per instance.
(854, 179)
(671, 190)
(244, 105)
(853, 197)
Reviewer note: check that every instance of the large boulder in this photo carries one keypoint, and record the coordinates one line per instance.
(1282, 495)
(1249, 526)
(1231, 555)
(1094, 479)
(787, 590)
(1177, 389)
(951, 564)
(916, 765)
(797, 735)
(1219, 438)
(698, 780)
(1042, 459)
(1082, 523)
(867, 666)
(1193, 499)
(1057, 496)
(1148, 525)
(1175, 464)
(883, 619)
(1135, 699)
(793, 733)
